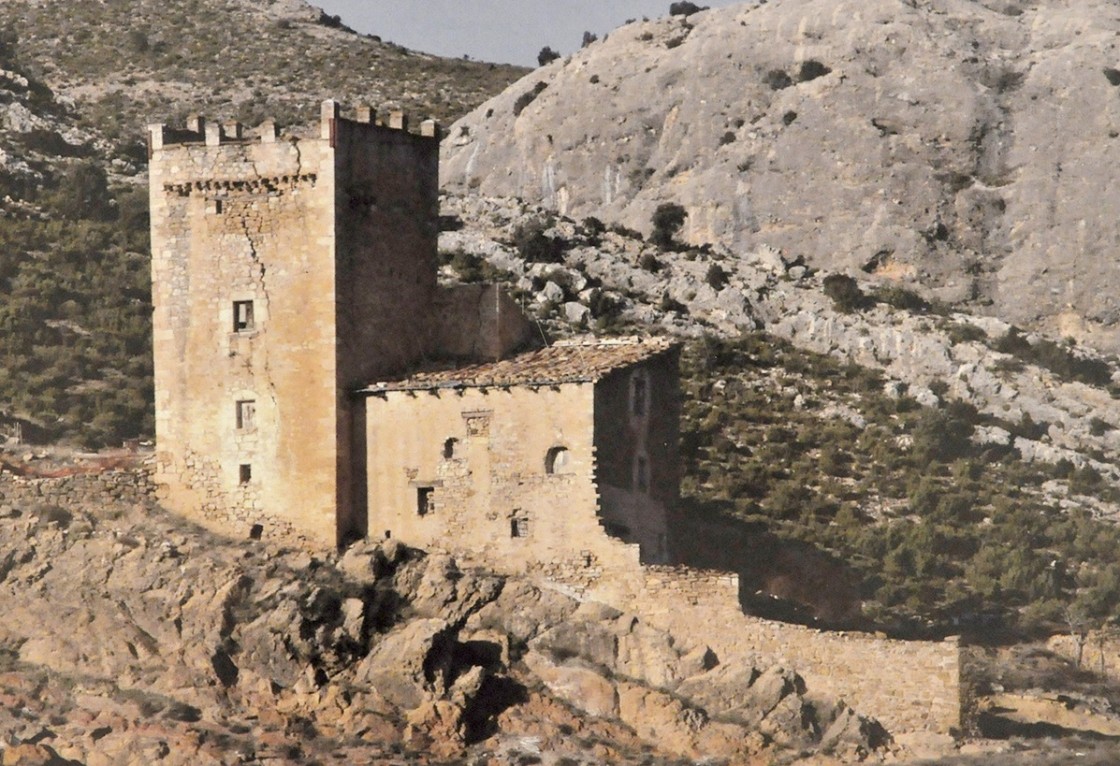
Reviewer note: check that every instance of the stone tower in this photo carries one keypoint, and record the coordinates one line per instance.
(286, 273)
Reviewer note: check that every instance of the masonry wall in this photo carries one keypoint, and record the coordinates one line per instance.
(479, 322)
(386, 213)
(101, 493)
(637, 415)
(481, 454)
(906, 685)
(333, 239)
(245, 221)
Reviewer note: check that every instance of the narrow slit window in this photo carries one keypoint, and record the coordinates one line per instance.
(246, 415)
(425, 501)
(243, 316)
(639, 395)
(641, 474)
(245, 473)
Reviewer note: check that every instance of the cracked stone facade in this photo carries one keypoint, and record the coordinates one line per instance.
(287, 272)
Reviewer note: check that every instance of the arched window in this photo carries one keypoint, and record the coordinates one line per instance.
(558, 461)
(449, 448)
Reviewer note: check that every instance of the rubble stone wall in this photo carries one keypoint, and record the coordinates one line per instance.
(906, 685)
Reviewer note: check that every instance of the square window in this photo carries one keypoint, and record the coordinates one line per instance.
(246, 415)
(518, 527)
(425, 502)
(245, 473)
(243, 316)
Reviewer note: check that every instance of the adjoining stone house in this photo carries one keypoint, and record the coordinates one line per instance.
(523, 460)
(291, 274)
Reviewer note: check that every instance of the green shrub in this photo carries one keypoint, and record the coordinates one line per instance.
(527, 98)
(545, 57)
(844, 292)
(776, 79)
(685, 8)
(667, 221)
(716, 277)
(535, 246)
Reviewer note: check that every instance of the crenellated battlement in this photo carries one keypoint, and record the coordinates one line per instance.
(198, 131)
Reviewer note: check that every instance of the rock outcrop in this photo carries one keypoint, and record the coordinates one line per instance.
(131, 637)
(688, 292)
(961, 145)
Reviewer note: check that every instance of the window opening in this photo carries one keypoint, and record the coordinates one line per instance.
(246, 414)
(245, 473)
(449, 448)
(425, 502)
(558, 460)
(641, 473)
(243, 316)
(639, 393)
(518, 527)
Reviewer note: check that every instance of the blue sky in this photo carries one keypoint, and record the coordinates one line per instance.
(506, 31)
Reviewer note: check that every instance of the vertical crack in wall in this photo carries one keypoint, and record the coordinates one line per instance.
(261, 274)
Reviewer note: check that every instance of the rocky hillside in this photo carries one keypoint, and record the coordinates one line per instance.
(958, 146)
(123, 65)
(78, 82)
(912, 444)
(132, 638)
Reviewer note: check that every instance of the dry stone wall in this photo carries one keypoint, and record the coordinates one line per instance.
(102, 492)
(906, 685)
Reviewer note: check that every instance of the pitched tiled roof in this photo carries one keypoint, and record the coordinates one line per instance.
(562, 362)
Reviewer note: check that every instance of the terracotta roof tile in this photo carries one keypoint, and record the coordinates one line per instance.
(562, 362)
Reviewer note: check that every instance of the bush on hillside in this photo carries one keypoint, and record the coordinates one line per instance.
(667, 221)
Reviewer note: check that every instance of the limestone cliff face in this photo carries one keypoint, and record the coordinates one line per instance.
(957, 144)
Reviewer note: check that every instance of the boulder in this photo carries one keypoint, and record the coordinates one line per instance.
(411, 662)
(576, 313)
(578, 684)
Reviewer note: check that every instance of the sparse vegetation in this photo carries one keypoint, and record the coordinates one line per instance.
(685, 8)
(932, 523)
(547, 56)
(845, 293)
(528, 97)
(535, 245)
(667, 221)
(1061, 360)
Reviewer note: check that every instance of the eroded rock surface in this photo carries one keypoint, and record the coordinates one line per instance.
(131, 637)
(964, 145)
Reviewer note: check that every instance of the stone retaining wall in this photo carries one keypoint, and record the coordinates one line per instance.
(906, 685)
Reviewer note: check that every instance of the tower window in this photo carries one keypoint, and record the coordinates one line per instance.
(639, 394)
(558, 460)
(246, 415)
(244, 473)
(519, 527)
(449, 448)
(243, 316)
(641, 473)
(425, 502)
